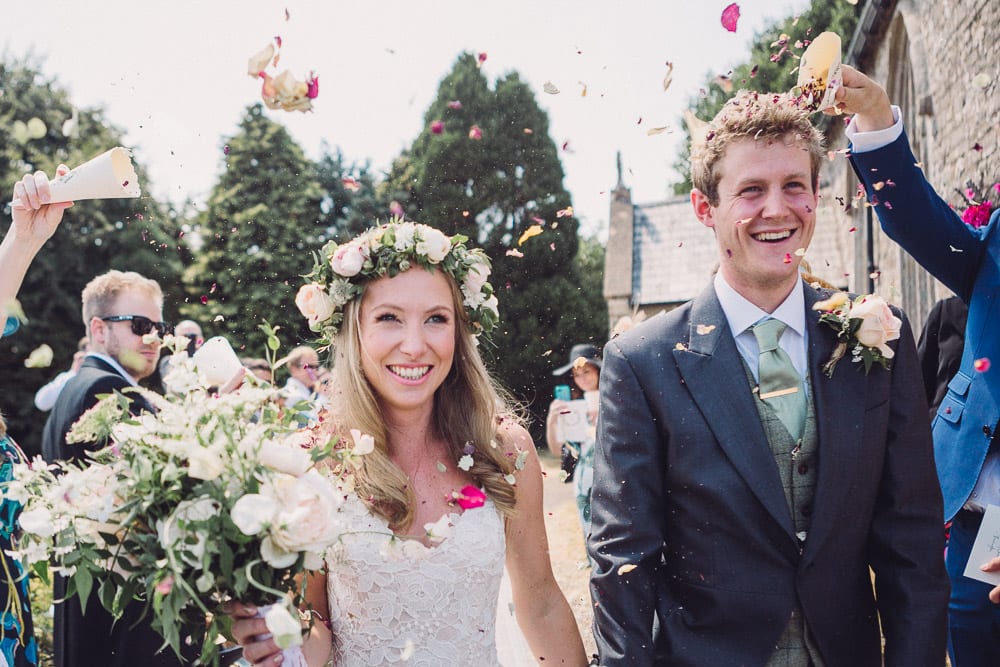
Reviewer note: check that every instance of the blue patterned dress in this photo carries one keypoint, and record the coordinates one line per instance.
(17, 644)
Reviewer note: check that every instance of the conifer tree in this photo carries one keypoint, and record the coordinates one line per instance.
(257, 237)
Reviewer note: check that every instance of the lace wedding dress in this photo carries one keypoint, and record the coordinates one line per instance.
(396, 601)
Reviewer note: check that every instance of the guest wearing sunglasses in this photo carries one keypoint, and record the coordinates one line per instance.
(123, 316)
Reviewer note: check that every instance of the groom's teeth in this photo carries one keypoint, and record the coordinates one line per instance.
(410, 373)
(772, 236)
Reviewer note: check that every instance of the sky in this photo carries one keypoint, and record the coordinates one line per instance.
(172, 75)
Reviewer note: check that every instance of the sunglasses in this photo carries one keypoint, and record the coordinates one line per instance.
(141, 325)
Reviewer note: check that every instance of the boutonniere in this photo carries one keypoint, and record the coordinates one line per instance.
(864, 326)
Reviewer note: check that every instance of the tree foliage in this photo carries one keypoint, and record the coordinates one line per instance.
(257, 236)
(95, 236)
(773, 65)
(352, 200)
(493, 189)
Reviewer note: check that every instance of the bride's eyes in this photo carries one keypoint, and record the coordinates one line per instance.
(438, 318)
(386, 317)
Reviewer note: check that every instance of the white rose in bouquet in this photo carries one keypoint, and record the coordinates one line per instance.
(306, 519)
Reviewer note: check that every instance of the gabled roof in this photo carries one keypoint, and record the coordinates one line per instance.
(673, 254)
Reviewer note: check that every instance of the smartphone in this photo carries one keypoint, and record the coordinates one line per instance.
(562, 392)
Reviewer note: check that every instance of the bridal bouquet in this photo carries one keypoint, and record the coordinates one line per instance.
(213, 497)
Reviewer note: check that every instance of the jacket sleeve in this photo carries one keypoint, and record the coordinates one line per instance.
(915, 217)
(626, 540)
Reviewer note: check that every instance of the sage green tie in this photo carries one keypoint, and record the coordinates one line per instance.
(779, 383)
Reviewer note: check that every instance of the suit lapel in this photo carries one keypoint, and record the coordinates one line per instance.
(839, 403)
(712, 369)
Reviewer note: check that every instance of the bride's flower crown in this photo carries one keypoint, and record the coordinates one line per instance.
(343, 270)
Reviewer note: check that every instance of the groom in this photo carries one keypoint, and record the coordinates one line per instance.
(740, 495)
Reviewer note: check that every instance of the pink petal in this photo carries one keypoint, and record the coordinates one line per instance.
(481, 59)
(730, 15)
(470, 498)
(350, 183)
(981, 365)
(313, 83)
(475, 132)
(455, 104)
(437, 127)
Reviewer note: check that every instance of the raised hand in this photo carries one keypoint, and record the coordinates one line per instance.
(35, 219)
(863, 97)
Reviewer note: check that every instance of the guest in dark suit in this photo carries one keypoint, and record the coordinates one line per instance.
(122, 312)
(940, 347)
(967, 260)
(731, 528)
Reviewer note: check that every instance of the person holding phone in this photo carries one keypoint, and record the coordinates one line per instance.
(585, 366)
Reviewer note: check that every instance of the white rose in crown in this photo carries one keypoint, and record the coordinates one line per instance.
(878, 324)
(433, 245)
(348, 259)
(476, 277)
(314, 303)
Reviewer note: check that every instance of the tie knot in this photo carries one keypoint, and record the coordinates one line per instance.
(767, 333)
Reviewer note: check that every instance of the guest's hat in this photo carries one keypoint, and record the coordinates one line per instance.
(581, 354)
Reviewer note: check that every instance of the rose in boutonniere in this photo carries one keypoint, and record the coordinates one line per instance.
(865, 326)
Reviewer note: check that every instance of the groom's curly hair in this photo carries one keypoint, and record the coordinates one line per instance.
(767, 117)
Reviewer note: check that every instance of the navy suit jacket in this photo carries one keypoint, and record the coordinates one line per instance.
(967, 261)
(697, 561)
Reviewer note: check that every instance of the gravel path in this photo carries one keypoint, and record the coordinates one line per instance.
(566, 549)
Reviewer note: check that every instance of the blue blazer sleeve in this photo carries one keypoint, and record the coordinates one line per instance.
(915, 217)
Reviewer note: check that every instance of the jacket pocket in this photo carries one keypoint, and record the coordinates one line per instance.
(953, 403)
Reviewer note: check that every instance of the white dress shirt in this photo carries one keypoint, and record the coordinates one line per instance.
(741, 315)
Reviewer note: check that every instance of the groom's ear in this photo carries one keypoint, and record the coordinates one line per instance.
(702, 208)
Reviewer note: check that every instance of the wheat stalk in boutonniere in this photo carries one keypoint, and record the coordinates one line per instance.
(864, 327)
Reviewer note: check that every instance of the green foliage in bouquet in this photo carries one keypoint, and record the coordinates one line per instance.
(211, 498)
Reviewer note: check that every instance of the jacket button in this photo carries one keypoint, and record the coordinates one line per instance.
(803, 468)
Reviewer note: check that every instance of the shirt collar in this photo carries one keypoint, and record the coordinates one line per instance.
(741, 314)
(111, 361)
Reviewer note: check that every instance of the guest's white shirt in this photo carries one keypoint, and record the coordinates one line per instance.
(741, 315)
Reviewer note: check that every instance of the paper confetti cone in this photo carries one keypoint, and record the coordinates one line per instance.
(819, 70)
(110, 175)
(216, 361)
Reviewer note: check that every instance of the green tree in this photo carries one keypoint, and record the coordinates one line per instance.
(773, 66)
(352, 201)
(95, 236)
(493, 189)
(257, 236)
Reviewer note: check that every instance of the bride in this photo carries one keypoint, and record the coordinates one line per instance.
(417, 580)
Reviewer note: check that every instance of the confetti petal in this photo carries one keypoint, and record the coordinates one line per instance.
(668, 78)
(534, 230)
(258, 61)
(40, 357)
(703, 329)
(350, 183)
(656, 130)
(565, 212)
(475, 133)
(981, 365)
(550, 88)
(982, 80)
(730, 15)
(481, 59)
(454, 104)
(437, 127)
(625, 569)
(514, 252)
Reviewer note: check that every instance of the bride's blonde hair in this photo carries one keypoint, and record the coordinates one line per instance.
(468, 410)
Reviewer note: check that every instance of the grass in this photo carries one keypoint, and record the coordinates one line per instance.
(41, 615)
